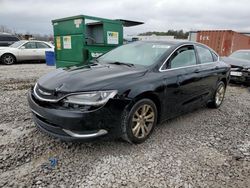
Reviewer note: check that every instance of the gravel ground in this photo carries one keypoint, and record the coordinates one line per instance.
(205, 148)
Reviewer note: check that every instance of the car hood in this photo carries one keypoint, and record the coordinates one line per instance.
(6, 48)
(89, 78)
(3, 48)
(236, 62)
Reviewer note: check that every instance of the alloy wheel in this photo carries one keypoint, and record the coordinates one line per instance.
(8, 59)
(219, 96)
(143, 121)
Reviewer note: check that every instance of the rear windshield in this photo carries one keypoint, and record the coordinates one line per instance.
(139, 53)
(17, 44)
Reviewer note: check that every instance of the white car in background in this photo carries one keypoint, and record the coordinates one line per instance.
(25, 50)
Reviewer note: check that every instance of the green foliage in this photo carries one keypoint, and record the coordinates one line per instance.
(178, 34)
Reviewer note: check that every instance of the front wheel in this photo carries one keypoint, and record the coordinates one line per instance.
(8, 59)
(218, 96)
(139, 122)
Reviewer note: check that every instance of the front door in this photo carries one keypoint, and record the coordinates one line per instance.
(28, 51)
(183, 69)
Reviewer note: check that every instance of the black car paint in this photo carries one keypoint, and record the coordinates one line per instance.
(7, 39)
(239, 65)
(175, 91)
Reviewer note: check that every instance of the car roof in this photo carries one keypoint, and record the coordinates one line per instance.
(171, 42)
(177, 43)
(243, 50)
(7, 35)
(33, 41)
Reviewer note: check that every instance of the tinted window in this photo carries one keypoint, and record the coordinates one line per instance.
(204, 54)
(184, 56)
(12, 39)
(30, 45)
(42, 45)
(8, 38)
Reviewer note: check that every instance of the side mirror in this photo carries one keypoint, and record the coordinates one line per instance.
(22, 47)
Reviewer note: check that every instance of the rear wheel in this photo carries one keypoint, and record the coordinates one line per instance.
(139, 122)
(8, 59)
(218, 96)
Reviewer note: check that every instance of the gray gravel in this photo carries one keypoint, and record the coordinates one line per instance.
(205, 148)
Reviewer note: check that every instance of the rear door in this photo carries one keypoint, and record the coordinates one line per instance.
(28, 51)
(41, 48)
(183, 67)
(209, 70)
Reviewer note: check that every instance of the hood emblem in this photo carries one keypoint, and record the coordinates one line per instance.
(58, 88)
(44, 93)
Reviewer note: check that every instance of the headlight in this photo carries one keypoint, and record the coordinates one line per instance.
(95, 98)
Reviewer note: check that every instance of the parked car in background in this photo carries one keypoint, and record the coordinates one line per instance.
(240, 66)
(25, 50)
(128, 90)
(7, 39)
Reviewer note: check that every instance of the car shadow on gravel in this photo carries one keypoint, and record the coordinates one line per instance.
(25, 62)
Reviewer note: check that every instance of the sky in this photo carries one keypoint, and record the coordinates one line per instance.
(34, 16)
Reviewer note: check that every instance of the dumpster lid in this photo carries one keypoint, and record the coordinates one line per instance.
(129, 23)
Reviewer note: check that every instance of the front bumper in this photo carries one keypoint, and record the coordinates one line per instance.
(77, 125)
(240, 77)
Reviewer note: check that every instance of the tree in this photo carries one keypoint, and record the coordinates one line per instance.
(178, 34)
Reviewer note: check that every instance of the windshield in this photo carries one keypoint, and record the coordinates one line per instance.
(138, 53)
(17, 44)
(245, 55)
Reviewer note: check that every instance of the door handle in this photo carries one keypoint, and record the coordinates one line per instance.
(196, 71)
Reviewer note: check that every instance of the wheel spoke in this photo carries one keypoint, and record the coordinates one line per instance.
(137, 131)
(135, 119)
(137, 114)
(137, 126)
(149, 120)
(146, 128)
(149, 116)
(143, 131)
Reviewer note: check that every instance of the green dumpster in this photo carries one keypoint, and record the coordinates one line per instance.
(81, 38)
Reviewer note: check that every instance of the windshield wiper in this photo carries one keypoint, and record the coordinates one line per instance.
(121, 63)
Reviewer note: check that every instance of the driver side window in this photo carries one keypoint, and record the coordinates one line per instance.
(184, 56)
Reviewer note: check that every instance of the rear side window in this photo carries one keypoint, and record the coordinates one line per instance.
(12, 39)
(183, 57)
(204, 55)
(30, 45)
(42, 45)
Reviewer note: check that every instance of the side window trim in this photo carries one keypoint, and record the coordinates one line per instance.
(183, 46)
(211, 52)
(162, 68)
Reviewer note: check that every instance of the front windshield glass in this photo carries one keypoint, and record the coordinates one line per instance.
(241, 55)
(138, 53)
(17, 44)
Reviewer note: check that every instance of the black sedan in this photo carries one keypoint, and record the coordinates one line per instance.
(127, 91)
(240, 66)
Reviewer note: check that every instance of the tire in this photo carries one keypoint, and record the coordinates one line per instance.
(218, 96)
(138, 123)
(8, 59)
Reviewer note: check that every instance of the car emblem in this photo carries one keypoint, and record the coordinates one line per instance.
(58, 88)
(44, 93)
